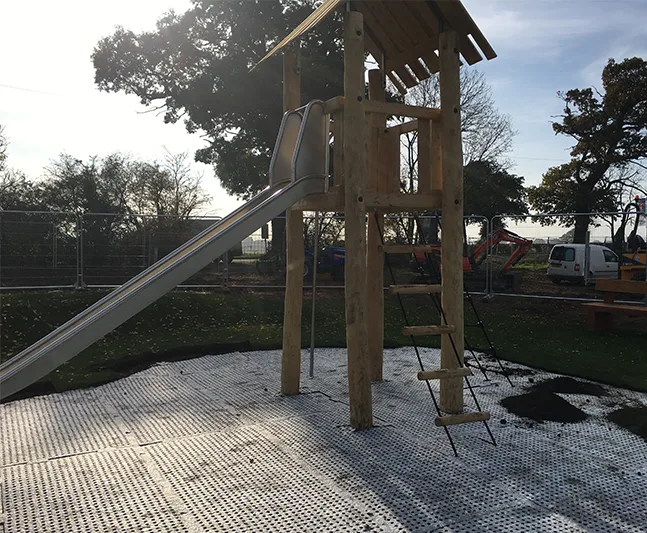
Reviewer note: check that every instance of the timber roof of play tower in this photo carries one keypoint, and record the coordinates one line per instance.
(402, 35)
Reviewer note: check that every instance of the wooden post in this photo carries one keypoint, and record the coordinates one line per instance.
(374, 254)
(355, 177)
(451, 390)
(424, 156)
(436, 156)
(294, 257)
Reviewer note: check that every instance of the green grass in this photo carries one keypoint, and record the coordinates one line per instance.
(544, 334)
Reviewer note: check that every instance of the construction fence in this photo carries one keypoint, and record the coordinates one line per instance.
(56, 250)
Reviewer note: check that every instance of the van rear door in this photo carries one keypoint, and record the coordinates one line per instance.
(562, 262)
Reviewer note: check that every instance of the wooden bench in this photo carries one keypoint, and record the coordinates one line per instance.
(599, 315)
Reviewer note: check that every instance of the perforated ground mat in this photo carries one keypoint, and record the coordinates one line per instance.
(208, 445)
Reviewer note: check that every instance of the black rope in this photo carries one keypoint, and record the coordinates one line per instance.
(413, 340)
(435, 299)
(504, 371)
(479, 322)
(451, 338)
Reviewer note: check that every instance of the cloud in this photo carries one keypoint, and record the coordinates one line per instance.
(548, 28)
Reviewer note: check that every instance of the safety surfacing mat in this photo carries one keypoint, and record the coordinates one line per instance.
(209, 445)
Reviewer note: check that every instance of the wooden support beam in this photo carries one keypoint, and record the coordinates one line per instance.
(420, 288)
(464, 418)
(436, 156)
(451, 390)
(388, 202)
(334, 104)
(428, 330)
(405, 127)
(338, 150)
(424, 156)
(444, 373)
(355, 178)
(409, 248)
(374, 255)
(402, 110)
(291, 354)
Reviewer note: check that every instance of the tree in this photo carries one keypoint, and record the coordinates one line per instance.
(3, 148)
(610, 133)
(487, 133)
(490, 190)
(196, 67)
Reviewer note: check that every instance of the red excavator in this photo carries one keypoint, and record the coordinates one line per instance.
(472, 262)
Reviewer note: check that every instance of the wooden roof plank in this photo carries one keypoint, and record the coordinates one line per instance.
(419, 69)
(425, 51)
(396, 82)
(407, 22)
(385, 18)
(475, 31)
(462, 27)
(373, 25)
(404, 75)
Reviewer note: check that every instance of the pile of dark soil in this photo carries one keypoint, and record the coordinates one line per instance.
(566, 385)
(633, 419)
(542, 405)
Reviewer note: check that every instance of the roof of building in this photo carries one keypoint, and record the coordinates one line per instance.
(402, 35)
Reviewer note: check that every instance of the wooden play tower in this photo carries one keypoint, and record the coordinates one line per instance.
(410, 40)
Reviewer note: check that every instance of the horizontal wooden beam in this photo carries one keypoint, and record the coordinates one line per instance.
(428, 330)
(386, 108)
(397, 201)
(464, 418)
(402, 110)
(409, 248)
(444, 373)
(334, 104)
(624, 286)
(420, 288)
(405, 127)
(391, 202)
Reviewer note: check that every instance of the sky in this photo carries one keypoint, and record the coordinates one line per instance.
(50, 105)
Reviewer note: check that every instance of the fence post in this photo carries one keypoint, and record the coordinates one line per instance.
(225, 271)
(79, 252)
(587, 257)
(144, 256)
(54, 249)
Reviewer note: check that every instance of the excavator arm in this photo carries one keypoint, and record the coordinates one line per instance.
(503, 235)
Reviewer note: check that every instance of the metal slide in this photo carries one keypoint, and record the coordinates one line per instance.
(295, 136)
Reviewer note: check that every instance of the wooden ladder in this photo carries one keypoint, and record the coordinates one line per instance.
(434, 290)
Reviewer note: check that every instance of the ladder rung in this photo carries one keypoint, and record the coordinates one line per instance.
(444, 373)
(421, 288)
(408, 248)
(428, 330)
(465, 418)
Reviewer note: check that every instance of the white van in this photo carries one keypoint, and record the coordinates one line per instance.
(567, 262)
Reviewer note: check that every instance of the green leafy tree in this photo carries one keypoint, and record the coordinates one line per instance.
(196, 66)
(610, 133)
(490, 190)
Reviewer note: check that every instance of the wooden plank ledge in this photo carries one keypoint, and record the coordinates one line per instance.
(428, 330)
(444, 373)
(401, 110)
(405, 127)
(391, 202)
(409, 248)
(420, 288)
(622, 286)
(465, 418)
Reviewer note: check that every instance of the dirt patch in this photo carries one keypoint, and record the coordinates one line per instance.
(633, 419)
(542, 405)
(566, 385)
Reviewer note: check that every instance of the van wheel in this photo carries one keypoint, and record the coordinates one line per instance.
(556, 281)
